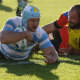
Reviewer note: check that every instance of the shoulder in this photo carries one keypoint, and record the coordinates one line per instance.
(14, 20)
(12, 23)
(40, 32)
(66, 14)
(62, 21)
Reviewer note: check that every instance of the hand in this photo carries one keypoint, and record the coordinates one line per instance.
(49, 59)
(66, 50)
(29, 37)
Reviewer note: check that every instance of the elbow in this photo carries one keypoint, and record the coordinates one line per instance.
(3, 42)
(3, 39)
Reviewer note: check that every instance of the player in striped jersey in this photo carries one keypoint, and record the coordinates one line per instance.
(70, 34)
(30, 20)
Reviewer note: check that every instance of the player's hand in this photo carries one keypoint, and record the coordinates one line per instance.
(49, 59)
(66, 51)
(29, 37)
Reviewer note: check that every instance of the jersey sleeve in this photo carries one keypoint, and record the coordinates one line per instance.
(44, 41)
(9, 25)
(42, 38)
(62, 21)
(12, 23)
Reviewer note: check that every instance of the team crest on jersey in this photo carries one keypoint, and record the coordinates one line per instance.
(75, 40)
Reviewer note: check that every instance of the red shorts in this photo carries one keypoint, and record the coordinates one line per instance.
(64, 36)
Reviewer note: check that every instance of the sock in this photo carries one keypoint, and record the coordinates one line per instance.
(19, 3)
(24, 3)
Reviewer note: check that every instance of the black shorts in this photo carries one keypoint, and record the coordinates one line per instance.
(57, 39)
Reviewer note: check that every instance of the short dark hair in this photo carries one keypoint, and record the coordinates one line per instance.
(77, 8)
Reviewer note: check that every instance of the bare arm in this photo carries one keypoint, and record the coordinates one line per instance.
(49, 28)
(8, 37)
(69, 50)
(75, 51)
(50, 55)
(61, 22)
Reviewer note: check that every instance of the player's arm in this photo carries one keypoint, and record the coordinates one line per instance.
(50, 55)
(69, 50)
(46, 46)
(75, 51)
(49, 28)
(61, 22)
(8, 37)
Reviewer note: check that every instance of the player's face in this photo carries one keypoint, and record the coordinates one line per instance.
(33, 23)
(73, 20)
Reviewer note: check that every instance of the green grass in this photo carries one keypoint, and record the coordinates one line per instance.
(69, 66)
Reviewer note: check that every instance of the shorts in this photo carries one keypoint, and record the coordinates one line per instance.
(61, 37)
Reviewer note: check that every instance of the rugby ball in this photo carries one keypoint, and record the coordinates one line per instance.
(22, 44)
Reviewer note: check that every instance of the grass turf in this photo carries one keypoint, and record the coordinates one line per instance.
(69, 66)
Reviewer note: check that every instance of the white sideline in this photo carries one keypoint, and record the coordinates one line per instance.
(20, 62)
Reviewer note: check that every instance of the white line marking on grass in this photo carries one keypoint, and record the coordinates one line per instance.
(20, 62)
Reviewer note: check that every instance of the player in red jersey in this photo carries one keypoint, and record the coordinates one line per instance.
(71, 33)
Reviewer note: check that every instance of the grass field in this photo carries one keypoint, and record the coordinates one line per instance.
(69, 66)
